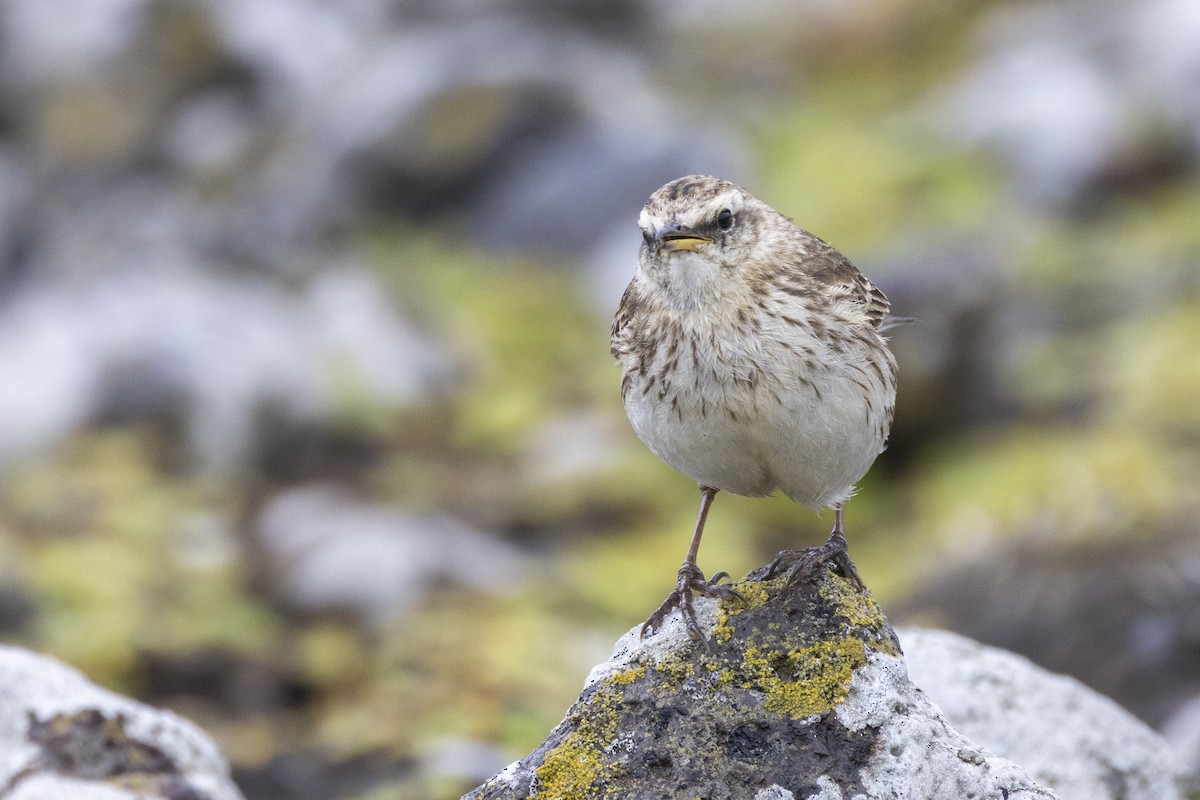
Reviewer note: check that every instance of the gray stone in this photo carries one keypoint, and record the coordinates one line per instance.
(1064, 91)
(1067, 736)
(1182, 730)
(1108, 610)
(802, 692)
(217, 353)
(61, 736)
(174, 219)
(330, 550)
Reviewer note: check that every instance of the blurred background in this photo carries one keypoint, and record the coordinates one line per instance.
(308, 425)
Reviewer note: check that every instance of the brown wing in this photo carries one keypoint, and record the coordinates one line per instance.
(875, 301)
(630, 301)
(846, 285)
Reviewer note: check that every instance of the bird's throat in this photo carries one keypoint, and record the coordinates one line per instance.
(691, 283)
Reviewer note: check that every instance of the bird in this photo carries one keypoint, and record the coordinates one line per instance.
(753, 360)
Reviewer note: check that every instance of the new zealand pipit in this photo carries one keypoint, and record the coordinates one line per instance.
(752, 360)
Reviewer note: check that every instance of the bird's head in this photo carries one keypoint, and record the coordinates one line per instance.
(699, 231)
(696, 213)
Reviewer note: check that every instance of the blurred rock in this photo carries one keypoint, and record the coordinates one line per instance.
(18, 604)
(177, 148)
(570, 447)
(1079, 743)
(1108, 613)
(61, 736)
(298, 108)
(462, 760)
(317, 775)
(205, 354)
(953, 353)
(330, 551)
(1076, 94)
(1182, 730)
(801, 693)
(239, 685)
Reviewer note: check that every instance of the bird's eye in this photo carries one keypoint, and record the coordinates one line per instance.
(725, 219)
(647, 236)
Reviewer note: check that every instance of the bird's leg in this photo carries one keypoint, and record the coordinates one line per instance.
(800, 563)
(691, 579)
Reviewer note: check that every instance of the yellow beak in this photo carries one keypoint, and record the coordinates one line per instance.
(673, 236)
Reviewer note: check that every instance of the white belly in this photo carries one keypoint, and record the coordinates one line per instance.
(810, 438)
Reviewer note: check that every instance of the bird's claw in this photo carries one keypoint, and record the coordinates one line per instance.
(691, 580)
(802, 563)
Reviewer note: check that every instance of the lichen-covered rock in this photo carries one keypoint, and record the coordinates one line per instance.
(61, 736)
(1067, 736)
(802, 692)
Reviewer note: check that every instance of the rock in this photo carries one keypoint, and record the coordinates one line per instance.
(210, 356)
(1182, 730)
(179, 184)
(1067, 92)
(331, 551)
(1106, 609)
(803, 692)
(61, 736)
(1068, 737)
(461, 762)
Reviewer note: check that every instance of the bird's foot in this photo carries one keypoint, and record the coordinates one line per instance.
(691, 579)
(802, 563)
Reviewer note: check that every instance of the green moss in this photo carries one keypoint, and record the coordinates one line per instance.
(754, 594)
(876, 180)
(1084, 485)
(521, 328)
(503, 674)
(800, 677)
(111, 540)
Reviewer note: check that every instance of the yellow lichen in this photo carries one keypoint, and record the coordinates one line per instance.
(858, 608)
(804, 681)
(578, 766)
(572, 770)
(677, 669)
(754, 594)
(626, 677)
